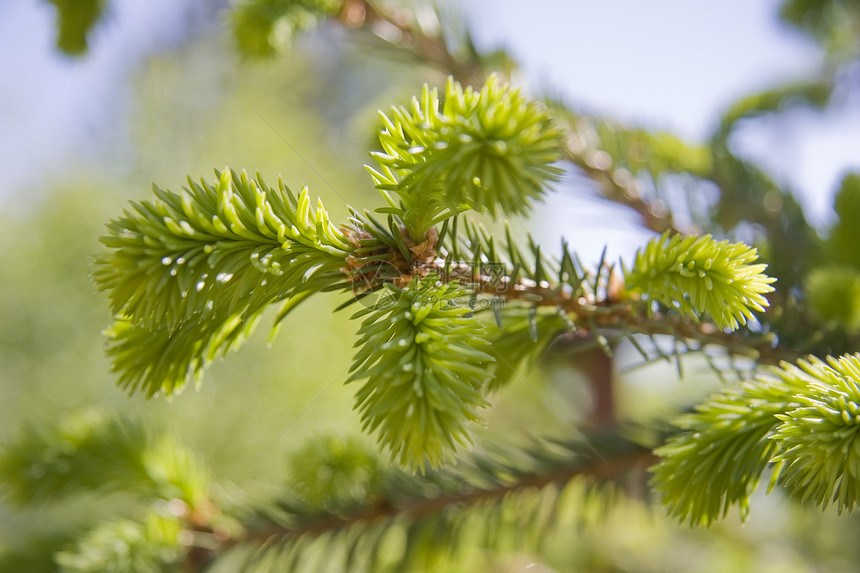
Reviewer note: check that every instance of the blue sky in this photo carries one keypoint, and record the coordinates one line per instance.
(663, 63)
(673, 65)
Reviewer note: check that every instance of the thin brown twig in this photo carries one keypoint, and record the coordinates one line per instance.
(624, 314)
(625, 190)
(428, 48)
(601, 468)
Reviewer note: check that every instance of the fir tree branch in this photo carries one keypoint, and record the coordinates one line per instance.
(698, 276)
(486, 150)
(804, 419)
(509, 282)
(424, 363)
(190, 273)
(213, 250)
(423, 42)
(472, 495)
(91, 452)
(621, 187)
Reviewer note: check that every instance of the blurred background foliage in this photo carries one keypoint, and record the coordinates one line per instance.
(308, 112)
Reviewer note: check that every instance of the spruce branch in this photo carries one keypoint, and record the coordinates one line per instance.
(612, 156)
(152, 544)
(90, 452)
(564, 297)
(341, 501)
(168, 514)
(459, 310)
(717, 460)
(698, 275)
(214, 249)
(489, 149)
(505, 494)
(189, 273)
(819, 439)
(424, 363)
(153, 358)
(803, 419)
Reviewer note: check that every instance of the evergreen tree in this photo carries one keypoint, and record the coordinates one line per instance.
(449, 313)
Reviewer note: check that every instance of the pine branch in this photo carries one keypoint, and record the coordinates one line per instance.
(424, 362)
(213, 250)
(190, 273)
(614, 158)
(698, 276)
(424, 42)
(469, 504)
(93, 453)
(804, 419)
(486, 150)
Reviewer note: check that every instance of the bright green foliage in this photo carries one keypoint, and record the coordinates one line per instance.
(716, 461)
(159, 480)
(266, 27)
(805, 419)
(335, 473)
(92, 453)
(75, 20)
(190, 272)
(699, 275)
(489, 150)
(151, 546)
(152, 358)
(213, 250)
(819, 439)
(423, 359)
